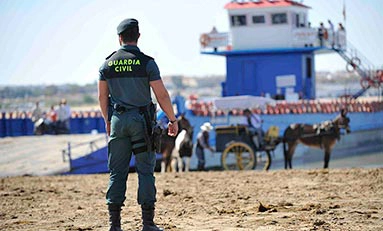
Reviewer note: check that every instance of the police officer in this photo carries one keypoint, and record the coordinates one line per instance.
(126, 77)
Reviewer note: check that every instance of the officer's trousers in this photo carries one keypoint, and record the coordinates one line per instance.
(127, 135)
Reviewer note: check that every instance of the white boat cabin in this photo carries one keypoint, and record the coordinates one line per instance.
(268, 24)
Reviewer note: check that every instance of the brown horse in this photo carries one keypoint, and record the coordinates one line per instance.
(168, 142)
(322, 136)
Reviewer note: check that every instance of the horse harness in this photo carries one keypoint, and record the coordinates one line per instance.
(326, 128)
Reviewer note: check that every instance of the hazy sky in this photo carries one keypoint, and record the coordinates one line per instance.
(56, 41)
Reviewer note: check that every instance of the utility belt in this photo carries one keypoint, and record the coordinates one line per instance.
(153, 130)
(121, 109)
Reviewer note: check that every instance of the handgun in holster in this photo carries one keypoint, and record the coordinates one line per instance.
(156, 136)
(153, 130)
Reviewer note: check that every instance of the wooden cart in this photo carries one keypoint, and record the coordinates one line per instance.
(235, 141)
(239, 151)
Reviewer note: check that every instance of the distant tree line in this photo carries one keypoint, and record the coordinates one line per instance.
(31, 91)
(23, 98)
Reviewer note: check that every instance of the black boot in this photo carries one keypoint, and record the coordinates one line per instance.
(114, 217)
(147, 219)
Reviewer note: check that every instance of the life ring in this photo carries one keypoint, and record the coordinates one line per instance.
(353, 64)
(355, 61)
(350, 67)
(204, 40)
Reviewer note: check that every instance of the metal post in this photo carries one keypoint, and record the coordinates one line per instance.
(69, 156)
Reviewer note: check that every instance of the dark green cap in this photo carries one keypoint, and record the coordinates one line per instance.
(126, 24)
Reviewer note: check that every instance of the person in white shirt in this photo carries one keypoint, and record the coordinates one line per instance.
(37, 113)
(254, 124)
(63, 114)
(37, 118)
(332, 32)
(202, 144)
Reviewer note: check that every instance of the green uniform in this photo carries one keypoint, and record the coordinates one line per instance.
(128, 73)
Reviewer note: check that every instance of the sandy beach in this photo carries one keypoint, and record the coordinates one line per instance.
(335, 199)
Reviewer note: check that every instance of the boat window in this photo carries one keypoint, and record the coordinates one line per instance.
(238, 20)
(258, 19)
(280, 18)
(299, 20)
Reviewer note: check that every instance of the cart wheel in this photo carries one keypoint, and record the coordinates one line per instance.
(238, 156)
(263, 160)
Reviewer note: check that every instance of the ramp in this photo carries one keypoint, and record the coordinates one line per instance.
(39, 155)
(95, 161)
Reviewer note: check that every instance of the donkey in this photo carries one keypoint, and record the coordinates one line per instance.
(322, 136)
(168, 142)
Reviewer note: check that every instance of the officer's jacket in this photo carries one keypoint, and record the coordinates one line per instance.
(128, 73)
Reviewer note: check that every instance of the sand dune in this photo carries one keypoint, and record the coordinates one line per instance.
(338, 199)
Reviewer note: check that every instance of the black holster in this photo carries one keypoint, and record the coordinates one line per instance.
(153, 131)
(157, 133)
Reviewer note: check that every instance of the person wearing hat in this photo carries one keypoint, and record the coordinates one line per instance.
(127, 77)
(202, 144)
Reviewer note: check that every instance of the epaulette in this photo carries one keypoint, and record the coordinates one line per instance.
(139, 52)
(148, 56)
(111, 55)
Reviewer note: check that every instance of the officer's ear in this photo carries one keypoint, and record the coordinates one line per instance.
(120, 39)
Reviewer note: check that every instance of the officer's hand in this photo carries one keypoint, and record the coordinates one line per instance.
(172, 129)
(107, 128)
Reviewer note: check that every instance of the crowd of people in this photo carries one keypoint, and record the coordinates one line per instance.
(335, 38)
(54, 121)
